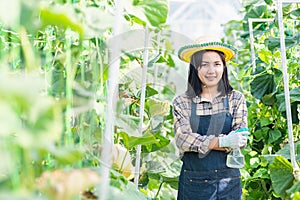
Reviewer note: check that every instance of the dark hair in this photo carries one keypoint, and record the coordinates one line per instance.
(194, 87)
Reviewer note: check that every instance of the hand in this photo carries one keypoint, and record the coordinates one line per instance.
(246, 134)
(234, 140)
(244, 131)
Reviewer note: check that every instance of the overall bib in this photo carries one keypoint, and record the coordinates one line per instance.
(209, 178)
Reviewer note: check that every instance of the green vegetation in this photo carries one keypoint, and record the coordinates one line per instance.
(54, 65)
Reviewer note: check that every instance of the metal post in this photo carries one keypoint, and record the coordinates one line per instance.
(236, 57)
(142, 103)
(286, 86)
(112, 89)
(250, 21)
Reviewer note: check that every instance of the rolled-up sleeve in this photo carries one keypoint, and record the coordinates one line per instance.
(186, 140)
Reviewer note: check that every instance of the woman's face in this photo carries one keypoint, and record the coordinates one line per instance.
(211, 69)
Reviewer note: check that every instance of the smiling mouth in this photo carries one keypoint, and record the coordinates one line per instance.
(210, 77)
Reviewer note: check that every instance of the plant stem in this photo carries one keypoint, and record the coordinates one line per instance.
(69, 93)
(159, 188)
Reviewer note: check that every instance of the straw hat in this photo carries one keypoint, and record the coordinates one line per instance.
(205, 43)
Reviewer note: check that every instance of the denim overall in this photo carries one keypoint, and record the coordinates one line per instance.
(209, 178)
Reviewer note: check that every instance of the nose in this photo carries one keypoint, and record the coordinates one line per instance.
(210, 69)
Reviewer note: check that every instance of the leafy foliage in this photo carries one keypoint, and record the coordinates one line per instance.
(53, 85)
(266, 158)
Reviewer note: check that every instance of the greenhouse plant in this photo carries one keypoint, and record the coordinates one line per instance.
(86, 99)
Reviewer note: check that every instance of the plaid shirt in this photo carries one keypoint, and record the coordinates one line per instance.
(185, 139)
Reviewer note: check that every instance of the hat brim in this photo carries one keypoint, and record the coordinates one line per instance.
(185, 53)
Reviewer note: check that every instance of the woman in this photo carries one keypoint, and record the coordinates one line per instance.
(205, 120)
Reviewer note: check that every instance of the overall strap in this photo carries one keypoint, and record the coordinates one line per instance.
(194, 108)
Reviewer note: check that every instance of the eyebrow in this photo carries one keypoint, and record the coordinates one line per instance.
(218, 61)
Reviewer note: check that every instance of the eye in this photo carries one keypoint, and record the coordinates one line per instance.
(204, 65)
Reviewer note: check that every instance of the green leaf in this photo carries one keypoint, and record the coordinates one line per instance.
(143, 180)
(67, 155)
(29, 15)
(153, 13)
(260, 134)
(157, 58)
(254, 162)
(294, 189)
(161, 142)
(135, 19)
(267, 149)
(33, 118)
(285, 151)
(286, 8)
(149, 92)
(265, 55)
(269, 99)
(251, 3)
(128, 123)
(277, 72)
(264, 121)
(131, 56)
(155, 168)
(273, 136)
(168, 91)
(121, 187)
(255, 193)
(132, 141)
(146, 139)
(269, 158)
(58, 17)
(58, 82)
(95, 21)
(294, 112)
(157, 108)
(294, 96)
(171, 62)
(269, 2)
(172, 181)
(166, 171)
(262, 84)
(290, 41)
(261, 173)
(296, 196)
(256, 12)
(281, 173)
(295, 13)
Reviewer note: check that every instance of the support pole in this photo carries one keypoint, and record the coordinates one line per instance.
(234, 32)
(286, 87)
(112, 90)
(142, 105)
(250, 21)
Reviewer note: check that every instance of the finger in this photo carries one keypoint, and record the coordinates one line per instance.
(242, 136)
(243, 143)
(245, 132)
(231, 132)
